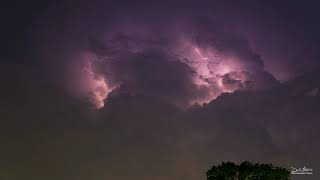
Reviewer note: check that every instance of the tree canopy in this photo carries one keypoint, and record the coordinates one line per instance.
(247, 171)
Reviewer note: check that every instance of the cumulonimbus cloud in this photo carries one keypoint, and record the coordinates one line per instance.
(181, 67)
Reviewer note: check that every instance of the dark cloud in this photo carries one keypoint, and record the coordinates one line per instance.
(231, 83)
(155, 73)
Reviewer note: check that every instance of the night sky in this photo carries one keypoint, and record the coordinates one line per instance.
(161, 90)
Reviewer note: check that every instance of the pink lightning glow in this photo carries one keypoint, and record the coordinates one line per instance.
(90, 84)
(210, 67)
(100, 89)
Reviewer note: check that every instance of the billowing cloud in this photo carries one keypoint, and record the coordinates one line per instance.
(182, 67)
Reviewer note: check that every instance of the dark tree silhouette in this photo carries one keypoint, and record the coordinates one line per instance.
(247, 171)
